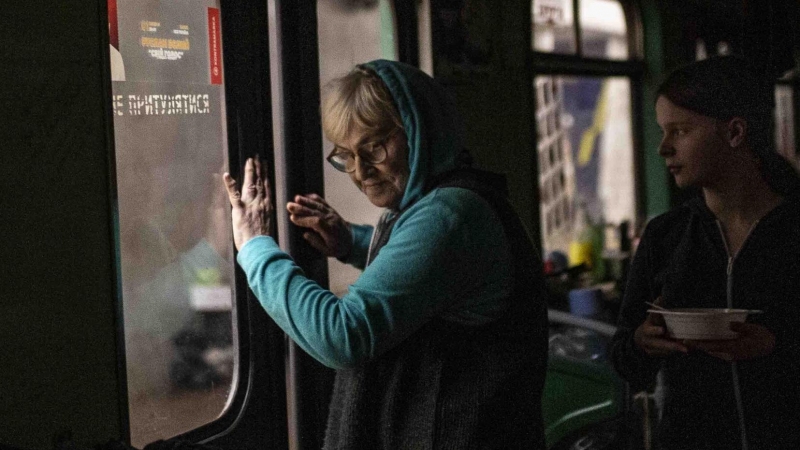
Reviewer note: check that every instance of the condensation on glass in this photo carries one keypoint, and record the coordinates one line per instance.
(351, 32)
(175, 253)
(585, 154)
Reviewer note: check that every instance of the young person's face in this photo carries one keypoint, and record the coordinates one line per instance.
(693, 146)
(383, 183)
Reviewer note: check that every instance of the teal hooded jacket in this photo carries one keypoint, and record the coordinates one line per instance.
(447, 255)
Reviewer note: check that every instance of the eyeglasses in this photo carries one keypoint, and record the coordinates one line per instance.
(370, 153)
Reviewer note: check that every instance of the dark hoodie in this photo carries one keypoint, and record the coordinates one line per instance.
(710, 403)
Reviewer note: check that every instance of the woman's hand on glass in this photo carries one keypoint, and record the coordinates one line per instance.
(328, 232)
(651, 336)
(251, 208)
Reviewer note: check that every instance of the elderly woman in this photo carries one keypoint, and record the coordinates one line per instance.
(441, 342)
(735, 245)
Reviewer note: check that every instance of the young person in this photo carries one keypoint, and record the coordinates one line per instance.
(736, 245)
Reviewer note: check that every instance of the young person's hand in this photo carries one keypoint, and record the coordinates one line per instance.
(328, 232)
(753, 341)
(651, 336)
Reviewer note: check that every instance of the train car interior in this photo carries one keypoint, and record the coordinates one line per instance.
(126, 322)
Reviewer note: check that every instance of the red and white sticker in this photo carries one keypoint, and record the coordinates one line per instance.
(214, 46)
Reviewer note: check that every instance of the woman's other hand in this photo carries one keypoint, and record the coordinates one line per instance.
(328, 232)
(753, 341)
(252, 209)
(651, 337)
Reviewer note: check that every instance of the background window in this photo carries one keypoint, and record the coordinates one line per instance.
(604, 33)
(585, 145)
(553, 26)
(174, 226)
(602, 28)
(585, 153)
(351, 32)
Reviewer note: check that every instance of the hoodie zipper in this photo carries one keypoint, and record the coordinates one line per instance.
(729, 298)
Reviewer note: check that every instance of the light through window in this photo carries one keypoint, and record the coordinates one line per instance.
(604, 33)
(585, 145)
(553, 26)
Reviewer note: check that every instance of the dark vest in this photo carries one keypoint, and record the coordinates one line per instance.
(452, 386)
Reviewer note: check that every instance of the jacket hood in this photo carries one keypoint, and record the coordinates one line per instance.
(431, 122)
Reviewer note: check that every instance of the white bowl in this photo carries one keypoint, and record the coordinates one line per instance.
(702, 323)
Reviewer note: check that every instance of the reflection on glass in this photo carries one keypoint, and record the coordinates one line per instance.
(603, 29)
(585, 153)
(553, 26)
(351, 33)
(174, 228)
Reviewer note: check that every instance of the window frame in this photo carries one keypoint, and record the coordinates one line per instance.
(554, 64)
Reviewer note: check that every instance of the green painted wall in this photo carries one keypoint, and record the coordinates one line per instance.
(57, 328)
(656, 182)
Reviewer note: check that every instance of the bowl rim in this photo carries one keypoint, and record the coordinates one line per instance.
(703, 311)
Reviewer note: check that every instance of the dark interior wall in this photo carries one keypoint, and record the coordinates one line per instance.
(763, 31)
(481, 51)
(59, 370)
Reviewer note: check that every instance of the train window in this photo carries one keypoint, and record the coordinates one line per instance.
(554, 26)
(351, 32)
(586, 143)
(601, 29)
(175, 250)
(584, 119)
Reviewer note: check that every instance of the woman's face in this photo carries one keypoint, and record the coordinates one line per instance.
(693, 145)
(383, 183)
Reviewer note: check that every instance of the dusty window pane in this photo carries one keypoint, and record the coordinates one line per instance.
(591, 132)
(174, 229)
(351, 32)
(553, 26)
(603, 29)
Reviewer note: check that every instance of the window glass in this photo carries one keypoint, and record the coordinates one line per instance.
(585, 153)
(175, 250)
(424, 33)
(603, 30)
(351, 32)
(784, 123)
(553, 26)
